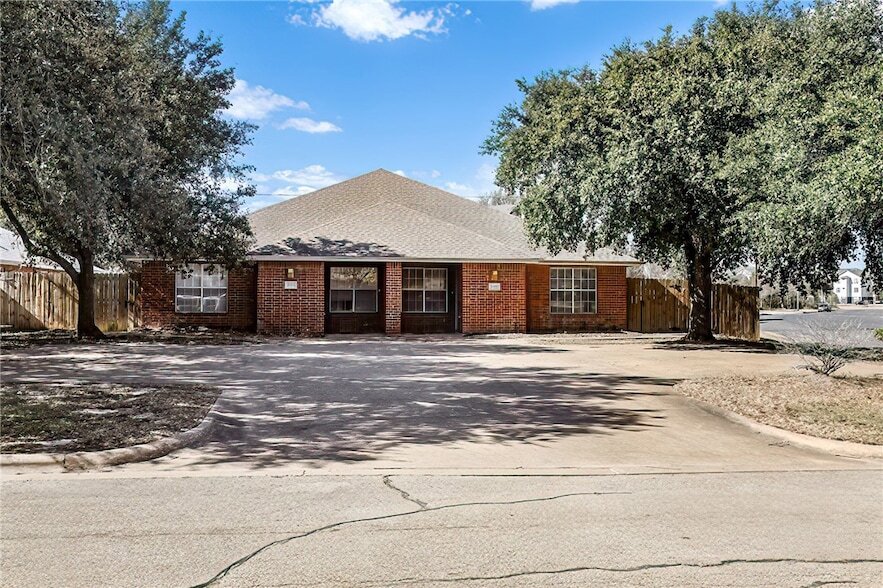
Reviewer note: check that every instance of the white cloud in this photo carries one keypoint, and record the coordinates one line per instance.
(256, 102)
(232, 184)
(461, 189)
(401, 173)
(376, 20)
(312, 176)
(290, 191)
(481, 183)
(289, 183)
(544, 4)
(308, 125)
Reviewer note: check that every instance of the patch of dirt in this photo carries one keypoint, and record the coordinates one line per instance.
(843, 408)
(62, 418)
(586, 338)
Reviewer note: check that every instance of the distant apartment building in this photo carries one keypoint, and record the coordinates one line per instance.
(849, 288)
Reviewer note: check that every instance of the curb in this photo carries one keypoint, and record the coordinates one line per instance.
(832, 446)
(84, 460)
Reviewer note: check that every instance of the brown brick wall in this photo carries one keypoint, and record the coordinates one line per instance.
(158, 300)
(257, 300)
(291, 312)
(392, 298)
(484, 311)
(612, 302)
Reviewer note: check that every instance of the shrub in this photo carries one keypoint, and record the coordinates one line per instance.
(879, 333)
(826, 349)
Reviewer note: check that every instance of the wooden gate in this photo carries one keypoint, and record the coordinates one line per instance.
(663, 306)
(736, 311)
(48, 300)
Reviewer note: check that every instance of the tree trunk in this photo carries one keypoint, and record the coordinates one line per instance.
(85, 282)
(700, 286)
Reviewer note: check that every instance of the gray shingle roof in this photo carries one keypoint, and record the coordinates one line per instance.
(382, 214)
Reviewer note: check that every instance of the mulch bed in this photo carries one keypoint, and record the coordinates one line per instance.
(62, 418)
(843, 408)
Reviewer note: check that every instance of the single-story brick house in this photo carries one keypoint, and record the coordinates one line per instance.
(381, 253)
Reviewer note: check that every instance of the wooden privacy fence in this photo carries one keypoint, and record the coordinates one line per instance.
(48, 300)
(663, 306)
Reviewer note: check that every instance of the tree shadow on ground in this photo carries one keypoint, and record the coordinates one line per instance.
(323, 401)
(764, 346)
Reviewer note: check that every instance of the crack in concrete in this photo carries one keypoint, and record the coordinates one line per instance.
(633, 569)
(388, 483)
(220, 575)
(645, 567)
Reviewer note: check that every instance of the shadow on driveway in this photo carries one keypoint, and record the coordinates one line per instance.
(332, 401)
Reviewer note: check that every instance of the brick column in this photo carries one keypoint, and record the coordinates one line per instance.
(392, 298)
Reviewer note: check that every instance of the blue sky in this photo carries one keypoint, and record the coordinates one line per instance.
(341, 88)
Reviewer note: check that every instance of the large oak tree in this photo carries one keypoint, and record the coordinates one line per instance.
(756, 136)
(113, 142)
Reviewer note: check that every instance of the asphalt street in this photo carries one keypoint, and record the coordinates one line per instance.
(788, 529)
(791, 324)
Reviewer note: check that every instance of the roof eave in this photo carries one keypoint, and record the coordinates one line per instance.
(590, 261)
(406, 259)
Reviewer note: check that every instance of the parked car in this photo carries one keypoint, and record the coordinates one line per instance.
(823, 307)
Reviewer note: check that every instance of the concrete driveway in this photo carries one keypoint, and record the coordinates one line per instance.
(527, 403)
(476, 462)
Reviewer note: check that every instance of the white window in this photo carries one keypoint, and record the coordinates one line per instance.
(573, 290)
(199, 290)
(353, 289)
(424, 289)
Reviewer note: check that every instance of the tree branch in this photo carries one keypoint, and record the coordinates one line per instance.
(33, 248)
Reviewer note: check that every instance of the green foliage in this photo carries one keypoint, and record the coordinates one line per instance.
(878, 333)
(756, 136)
(815, 159)
(112, 139)
(498, 198)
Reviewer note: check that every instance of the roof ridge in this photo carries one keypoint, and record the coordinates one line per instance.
(309, 195)
(423, 214)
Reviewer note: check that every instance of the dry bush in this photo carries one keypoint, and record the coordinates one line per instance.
(826, 349)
